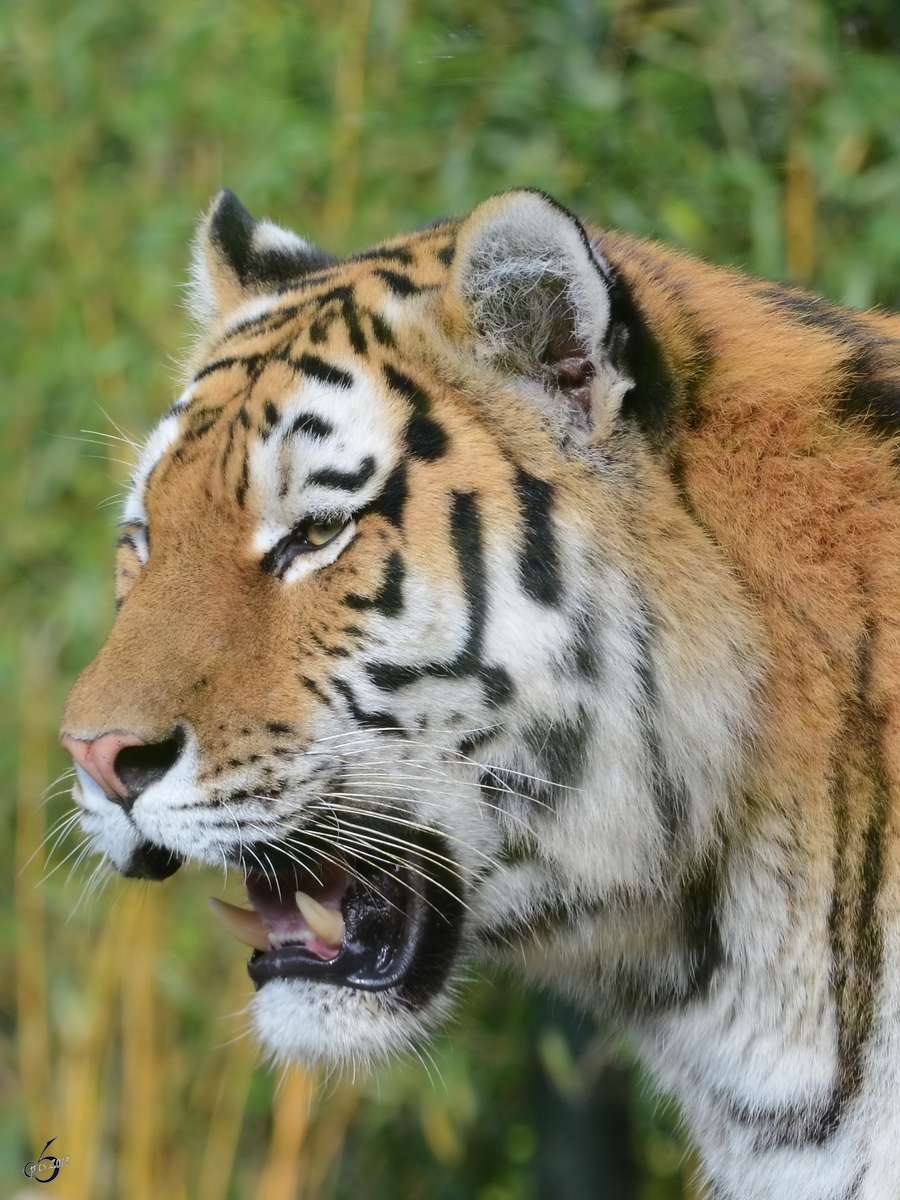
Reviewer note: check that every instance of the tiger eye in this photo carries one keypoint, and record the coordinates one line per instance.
(320, 533)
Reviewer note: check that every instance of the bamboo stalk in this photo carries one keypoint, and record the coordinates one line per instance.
(799, 214)
(281, 1178)
(349, 88)
(87, 1039)
(231, 1098)
(140, 1131)
(31, 945)
(327, 1139)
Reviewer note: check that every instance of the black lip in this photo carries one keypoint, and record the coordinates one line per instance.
(403, 928)
(150, 861)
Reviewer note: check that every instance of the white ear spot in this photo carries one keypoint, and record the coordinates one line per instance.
(236, 259)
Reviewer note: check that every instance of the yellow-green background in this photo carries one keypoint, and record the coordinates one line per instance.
(762, 133)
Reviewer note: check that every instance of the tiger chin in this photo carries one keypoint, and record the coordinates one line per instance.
(530, 592)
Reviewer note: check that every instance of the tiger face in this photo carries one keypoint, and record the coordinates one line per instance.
(413, 629)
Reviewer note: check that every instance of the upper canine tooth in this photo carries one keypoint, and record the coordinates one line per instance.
(326, 923)
(245, 926)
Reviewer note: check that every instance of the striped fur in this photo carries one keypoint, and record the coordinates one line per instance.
(611, 612)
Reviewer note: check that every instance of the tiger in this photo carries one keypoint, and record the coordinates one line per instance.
(521, 591)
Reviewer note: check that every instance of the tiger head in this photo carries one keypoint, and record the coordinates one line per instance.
(413, 627)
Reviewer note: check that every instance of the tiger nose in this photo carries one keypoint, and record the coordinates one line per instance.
(122, 764)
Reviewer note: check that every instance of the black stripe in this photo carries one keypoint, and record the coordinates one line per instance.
(699, 906)
(534, 925)
(244, 483)
(382, 331)
(447, 253)
(398, 254)
(498, 686)
(583, 649)
(400, 285)
(670, 795)
(380, 722)
(313, 687)
(310, 424)
(270, 413)
(635, 353)
(425, 438)
(391, 500)
(871, 396)
(561, 748)
(201, 421)
(347, 481)
(407, 388)
(389, 598)
(857, 938)
(465, 534)
(219, 364)
(539, 570)
(871, 393)
(318, 368)
(468, 545)
(354, 329)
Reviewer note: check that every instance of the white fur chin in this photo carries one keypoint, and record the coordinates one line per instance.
(312, 1023)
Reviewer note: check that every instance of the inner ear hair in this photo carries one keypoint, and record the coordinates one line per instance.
(537, 298)
(568, 367)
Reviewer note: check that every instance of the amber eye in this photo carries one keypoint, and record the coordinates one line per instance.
(320, 533)
(309, 535)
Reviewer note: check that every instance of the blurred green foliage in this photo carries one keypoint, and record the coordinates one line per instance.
(761, 133)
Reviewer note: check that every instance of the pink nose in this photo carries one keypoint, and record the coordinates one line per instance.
(98, 758)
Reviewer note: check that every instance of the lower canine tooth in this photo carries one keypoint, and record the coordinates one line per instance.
(245, 926)
(326, 923)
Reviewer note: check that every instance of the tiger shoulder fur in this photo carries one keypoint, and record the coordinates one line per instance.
(513, 590)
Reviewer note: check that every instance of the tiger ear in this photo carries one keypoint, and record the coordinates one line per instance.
(537, 296)
(236, 258)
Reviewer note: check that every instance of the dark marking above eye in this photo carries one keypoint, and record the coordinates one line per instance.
(270, 413)
(424, 436)
(391, 500)
(310, 424)
(219, 364)
(425, 439)
(318, 368)
(447, 253)
(400, 254)
(407, 388)
(381, 330)
(346, 481)
(354, 329)
(400, 285)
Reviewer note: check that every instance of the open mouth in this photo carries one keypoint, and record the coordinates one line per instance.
(341, 920)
